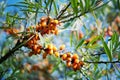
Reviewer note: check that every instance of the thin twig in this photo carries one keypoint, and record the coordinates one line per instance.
(84, 13)
(102, 62)
(15, 48)
(62, 11)
(50, 7)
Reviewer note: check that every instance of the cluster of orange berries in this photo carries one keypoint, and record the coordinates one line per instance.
(72, 60)
(52, 50)
(47, 25)
(12, 31)
(41, 66)
(108, 31)
(32, 44)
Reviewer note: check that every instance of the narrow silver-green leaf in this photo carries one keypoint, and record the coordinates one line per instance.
(107, 50)
(79, 43)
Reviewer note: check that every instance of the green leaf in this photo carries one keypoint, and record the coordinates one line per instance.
(79, 43)
(81, 6)
(55, 7)
(93, 40)
(69, 73)
(67, 25)
(56, 66)
(74, 4)
(87, 5)
(107, 50)
(71, 39)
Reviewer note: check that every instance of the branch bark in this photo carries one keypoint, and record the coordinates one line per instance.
(15, 48)
(102, 62)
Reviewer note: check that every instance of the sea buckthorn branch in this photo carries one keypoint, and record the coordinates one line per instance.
(18, 45)
(50, 7)
(73, 17)
(102, 62)
(63, 10)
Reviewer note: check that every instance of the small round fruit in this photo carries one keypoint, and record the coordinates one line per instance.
(76, 61)
(110, 33)
(68, 64)
(50, 46)
(62, 47)
(75, 56)
(64, 56)
(57, 54)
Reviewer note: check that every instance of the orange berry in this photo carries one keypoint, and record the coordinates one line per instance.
(81, 35)
(50, 46)
(110, 33)
(68, 64)
(57, 54)
(109, 28)
(43, 18)
(31, 41)
(76, 61)
(62, 47)
(68, 54)
(56, 21)
(50, 52)
(75, 56)
(78, 66)
(69, 59)
(74, 66)
(43, 24)
(35, 47)
(64, 56)
(54, 48)
(38, 50)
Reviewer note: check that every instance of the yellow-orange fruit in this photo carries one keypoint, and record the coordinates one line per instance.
(110, 33)
(50, 52)
(38, 50)
(50, 46)
(54, 48)
(31, 41)
(68, 54)
(28, 29)
(74, 66)
(43, 24)
(78, 66)
(109, 28)
(56, 21)
(57, 54)
(76, 61)
(81, 35)
(75, 56)
(64, 56)
(43, 18)
(35, 47)
(69, 59)
(62, 47)
(68, 64)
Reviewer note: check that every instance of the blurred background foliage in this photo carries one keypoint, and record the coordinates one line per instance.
(90, 28)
